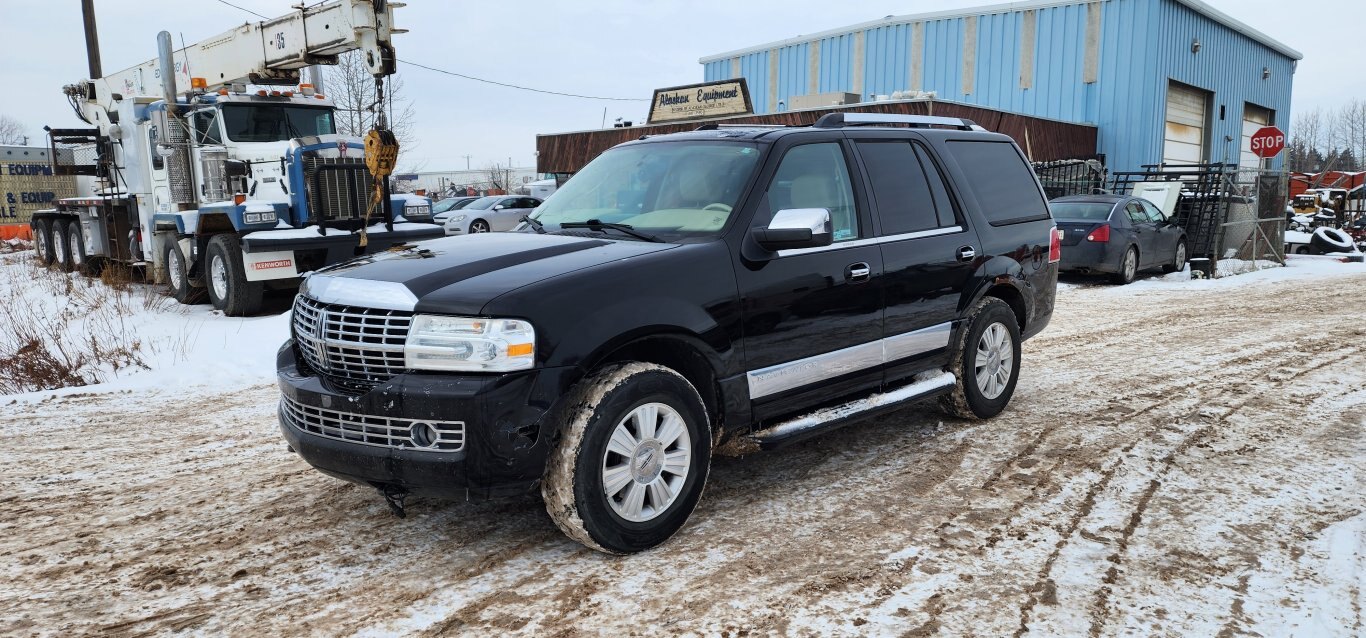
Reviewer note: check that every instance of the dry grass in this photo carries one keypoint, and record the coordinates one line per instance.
(65, 330)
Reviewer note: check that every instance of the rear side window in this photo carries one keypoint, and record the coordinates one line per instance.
(1000, 180)
(904, 201)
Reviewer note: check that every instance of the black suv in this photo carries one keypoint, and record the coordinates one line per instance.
(716, 291)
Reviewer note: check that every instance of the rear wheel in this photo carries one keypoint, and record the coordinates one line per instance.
(479, 226)
(42, 241)
(632, 460)
(986, 362)
(226, 277)
(75, 246)
(1179, 259)
(1128, 267)
(177, 274)
(61, 249)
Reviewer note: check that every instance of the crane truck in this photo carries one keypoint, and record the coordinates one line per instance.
(240, 183)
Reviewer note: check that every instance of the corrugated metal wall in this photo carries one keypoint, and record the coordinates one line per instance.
(1106, 62)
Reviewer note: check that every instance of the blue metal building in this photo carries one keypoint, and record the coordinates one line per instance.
(1173, 81)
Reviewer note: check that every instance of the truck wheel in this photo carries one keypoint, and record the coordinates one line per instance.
(177, 274)
(226, 277)
(1128, 267)
(75, 246)
(986, 362)
(42, 241)
(1179, 259)
(61, 250)
(632, 459)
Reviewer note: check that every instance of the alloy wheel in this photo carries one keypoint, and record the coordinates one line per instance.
(646, 462)
(995, 360)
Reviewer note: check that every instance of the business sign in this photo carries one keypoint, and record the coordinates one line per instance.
(27, 184)
(700, 101)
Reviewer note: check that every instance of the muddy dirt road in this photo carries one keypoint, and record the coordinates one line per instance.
(1176, 461)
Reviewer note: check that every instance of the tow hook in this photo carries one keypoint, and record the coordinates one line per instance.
(394, 497)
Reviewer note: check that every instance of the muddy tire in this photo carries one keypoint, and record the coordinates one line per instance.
(42, 241)
(1128, 267)
(1178, 258)
(985, 362)
(225, 277)
(178, 276)
(631, 460)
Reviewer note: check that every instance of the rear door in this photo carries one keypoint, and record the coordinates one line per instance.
(813, 317)
(928, 249)
(1145, 233)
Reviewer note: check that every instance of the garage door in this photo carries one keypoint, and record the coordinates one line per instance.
(1184, 141)
(1254, 118)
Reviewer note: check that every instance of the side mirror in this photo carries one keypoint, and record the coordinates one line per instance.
(498, 207)
(796, 228)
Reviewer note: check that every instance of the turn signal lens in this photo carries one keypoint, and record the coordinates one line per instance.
(1101, 234)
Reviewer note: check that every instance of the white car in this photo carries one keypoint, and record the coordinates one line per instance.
(492, 213)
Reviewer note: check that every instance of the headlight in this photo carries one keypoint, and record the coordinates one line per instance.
(259, 218)
(455, 219)
(469, 344)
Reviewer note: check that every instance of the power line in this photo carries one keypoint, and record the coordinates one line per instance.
(471, 77)
(244, 9)
(523, 88)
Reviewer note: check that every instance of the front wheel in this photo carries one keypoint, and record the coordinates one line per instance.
(1179, 259)
(228, 287)
(479, 226)
(986, 362)
(632, 460)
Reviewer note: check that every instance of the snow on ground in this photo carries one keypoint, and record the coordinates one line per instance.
(1180, 458)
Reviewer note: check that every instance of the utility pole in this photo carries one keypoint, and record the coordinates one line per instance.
(467, 161)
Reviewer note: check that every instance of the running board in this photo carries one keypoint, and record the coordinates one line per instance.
(826, 419)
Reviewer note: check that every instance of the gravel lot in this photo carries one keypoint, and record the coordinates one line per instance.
(1179, 459)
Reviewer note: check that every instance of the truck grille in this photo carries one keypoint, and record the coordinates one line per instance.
(407, 434)
(357, 348)
(339, 189)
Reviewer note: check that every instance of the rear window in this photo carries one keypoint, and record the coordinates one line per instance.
(1001, 181)
(1090, 211)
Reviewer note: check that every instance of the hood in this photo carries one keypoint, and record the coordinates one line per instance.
(460, 275)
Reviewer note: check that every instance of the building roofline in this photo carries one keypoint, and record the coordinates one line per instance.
(1007, 7)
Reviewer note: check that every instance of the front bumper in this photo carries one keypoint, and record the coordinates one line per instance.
(507, 429)
(340, 246)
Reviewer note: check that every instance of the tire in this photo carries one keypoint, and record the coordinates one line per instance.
(42, 241)
(1302, 250)
(1178, 259)
(598, 411)
(479, 226)
(226, 278)
(1128, 267)
(177, 274)
(1331, 240)
(61, 250)
(969, 399)
(75, 247)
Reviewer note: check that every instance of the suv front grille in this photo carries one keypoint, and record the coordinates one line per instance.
(358, 348)
(406, 434)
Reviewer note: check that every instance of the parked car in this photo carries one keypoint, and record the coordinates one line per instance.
(740, 288)
(447, 207)
(1117, 235)
(491, 213)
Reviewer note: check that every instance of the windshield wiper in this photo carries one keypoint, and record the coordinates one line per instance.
(535, 225)
(599, 226)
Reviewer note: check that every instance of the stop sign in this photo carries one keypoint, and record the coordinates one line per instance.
(1267, 142)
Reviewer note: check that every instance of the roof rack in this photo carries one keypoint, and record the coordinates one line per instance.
(841, 120)
(713, 126)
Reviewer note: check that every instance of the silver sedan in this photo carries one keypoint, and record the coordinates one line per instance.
(492, 213)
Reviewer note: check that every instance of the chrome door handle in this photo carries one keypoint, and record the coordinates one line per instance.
(967, 253)
(858, 272)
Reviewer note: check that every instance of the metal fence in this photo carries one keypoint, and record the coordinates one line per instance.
(1228, 212)
(1077, 176)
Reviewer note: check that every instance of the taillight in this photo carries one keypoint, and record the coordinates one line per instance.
(1101, 234)
(1055, 246)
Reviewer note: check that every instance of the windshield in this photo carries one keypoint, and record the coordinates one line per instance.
(275, 122)
(484, 203)
(1090, 211)
(678, 188)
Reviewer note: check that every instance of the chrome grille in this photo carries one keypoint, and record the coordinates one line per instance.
(407, 434)
(338, 188)
(357, 347)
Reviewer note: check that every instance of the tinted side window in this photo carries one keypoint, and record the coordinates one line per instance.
(904, 202)
(206, 127)
(1153, 211)
(942, 202)
(816, 176)
(1136, 213)
(1000, 180)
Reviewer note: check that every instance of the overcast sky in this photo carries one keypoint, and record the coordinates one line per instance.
(614, 48)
